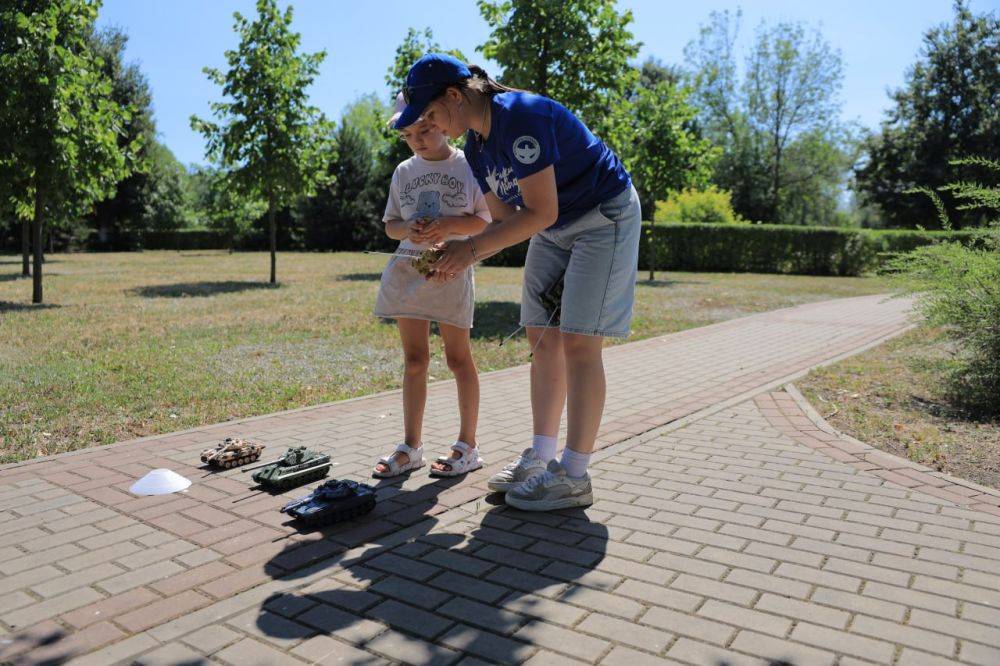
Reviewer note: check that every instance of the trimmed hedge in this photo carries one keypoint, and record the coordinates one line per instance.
(767, 248)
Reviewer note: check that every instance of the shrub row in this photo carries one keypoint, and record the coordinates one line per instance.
(732, 248)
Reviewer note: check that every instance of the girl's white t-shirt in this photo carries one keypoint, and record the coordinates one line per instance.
(441, 188)
(421, 188)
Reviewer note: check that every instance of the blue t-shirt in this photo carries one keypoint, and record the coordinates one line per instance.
(528, 133)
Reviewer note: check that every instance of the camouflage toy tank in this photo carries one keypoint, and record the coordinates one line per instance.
(295, 467)
(231, 452)
(331, 502)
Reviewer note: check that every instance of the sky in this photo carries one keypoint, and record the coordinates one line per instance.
(172, 40)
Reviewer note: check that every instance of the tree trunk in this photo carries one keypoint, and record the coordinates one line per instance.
(25, 247)
(36, 279)
(274, 237)
(776, 185)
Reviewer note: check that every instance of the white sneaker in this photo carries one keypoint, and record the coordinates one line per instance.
(525, 467)
(552, 489)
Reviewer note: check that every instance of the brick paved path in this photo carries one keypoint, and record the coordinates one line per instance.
(730, 527)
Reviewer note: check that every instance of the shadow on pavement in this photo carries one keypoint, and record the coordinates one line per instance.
(429, 581)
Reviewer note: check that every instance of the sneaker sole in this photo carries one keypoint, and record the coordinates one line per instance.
(500, 486)
(550, 505)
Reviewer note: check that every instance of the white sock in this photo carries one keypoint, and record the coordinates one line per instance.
(545, 447)
(575, 463)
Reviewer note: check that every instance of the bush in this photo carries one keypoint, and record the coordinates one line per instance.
(186, 239)
(958, 288)
(709, 206)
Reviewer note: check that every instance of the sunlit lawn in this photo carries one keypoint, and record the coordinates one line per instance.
(136, 344)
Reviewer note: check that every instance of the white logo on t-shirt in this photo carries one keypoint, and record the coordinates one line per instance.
(526, 149)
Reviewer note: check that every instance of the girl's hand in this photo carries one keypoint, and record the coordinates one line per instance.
(455, 257)
(436, 231)
(415, 232)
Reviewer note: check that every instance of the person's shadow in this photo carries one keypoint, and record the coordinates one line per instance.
(473, 582)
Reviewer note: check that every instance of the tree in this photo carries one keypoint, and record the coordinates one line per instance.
(575, 51)
(153, 196)
(268, 138)
(786, 104)
(949, 107)
(416, 44)
(216, 205)
(60, 125)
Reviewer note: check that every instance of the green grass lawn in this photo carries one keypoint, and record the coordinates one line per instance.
(893, 397)
(137, 344)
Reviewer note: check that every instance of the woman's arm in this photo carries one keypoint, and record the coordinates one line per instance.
(541, 208)
(442, 227)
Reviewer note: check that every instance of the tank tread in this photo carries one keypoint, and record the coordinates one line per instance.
(341, 515)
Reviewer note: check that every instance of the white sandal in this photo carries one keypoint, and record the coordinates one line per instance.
(416, 461)
(469, 461)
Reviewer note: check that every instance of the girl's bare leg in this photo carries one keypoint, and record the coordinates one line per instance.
(458, 352)
(416, 357)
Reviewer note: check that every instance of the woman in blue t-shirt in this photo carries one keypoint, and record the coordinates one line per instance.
(548, 178)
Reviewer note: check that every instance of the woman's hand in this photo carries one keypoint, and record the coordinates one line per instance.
(436, 231)
(455, 257)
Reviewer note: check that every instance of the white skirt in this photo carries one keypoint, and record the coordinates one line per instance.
(406, 294)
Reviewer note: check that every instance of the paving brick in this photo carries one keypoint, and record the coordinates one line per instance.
(467, 586)
(495, 619)
(146, 574)
(211, 639)
(325, 650)
(407, 649)
(43, 610)
(688, 625)
(169, 655)
(620, 631)
(964, 628)
(875, 600)
(110, 607)
(410, 619)
(496, 648)
(741, 617)
(981, 655)
(410, 592)
(344, 625)
(844, 643)
(77, 643)
(623, 656)
(779, 650)
(696, 652)
(249, 652)
(597, 600)
(795, 609)
(551, 611)
(556, 638)
(161, 611)
(271, 627)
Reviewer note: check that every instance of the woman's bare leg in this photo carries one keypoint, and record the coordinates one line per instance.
(585, 401)
(548, 379)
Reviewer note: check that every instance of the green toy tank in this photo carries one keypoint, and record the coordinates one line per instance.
(295, 467)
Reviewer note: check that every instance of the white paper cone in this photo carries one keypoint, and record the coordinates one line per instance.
(159, 482)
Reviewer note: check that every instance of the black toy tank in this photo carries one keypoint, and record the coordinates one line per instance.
(331, 502)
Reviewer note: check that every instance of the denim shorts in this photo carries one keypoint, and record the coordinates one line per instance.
(598, 253)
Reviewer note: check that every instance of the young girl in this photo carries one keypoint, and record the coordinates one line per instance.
(547, 178)
(433, 198)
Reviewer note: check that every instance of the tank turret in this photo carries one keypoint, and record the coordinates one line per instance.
(231, 452)
(296, 466)
(333, 501)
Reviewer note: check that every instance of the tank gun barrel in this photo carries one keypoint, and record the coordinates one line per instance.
(298, 471)
(259, 465)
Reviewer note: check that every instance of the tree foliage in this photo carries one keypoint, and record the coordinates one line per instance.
(416, 44)
(60, 124)
(778, 124)
(267, 137)
(576, 52)
(948, 107)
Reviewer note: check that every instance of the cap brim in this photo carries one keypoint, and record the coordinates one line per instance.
(409, 115)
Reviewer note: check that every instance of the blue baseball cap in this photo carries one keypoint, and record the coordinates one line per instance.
(427, 78)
